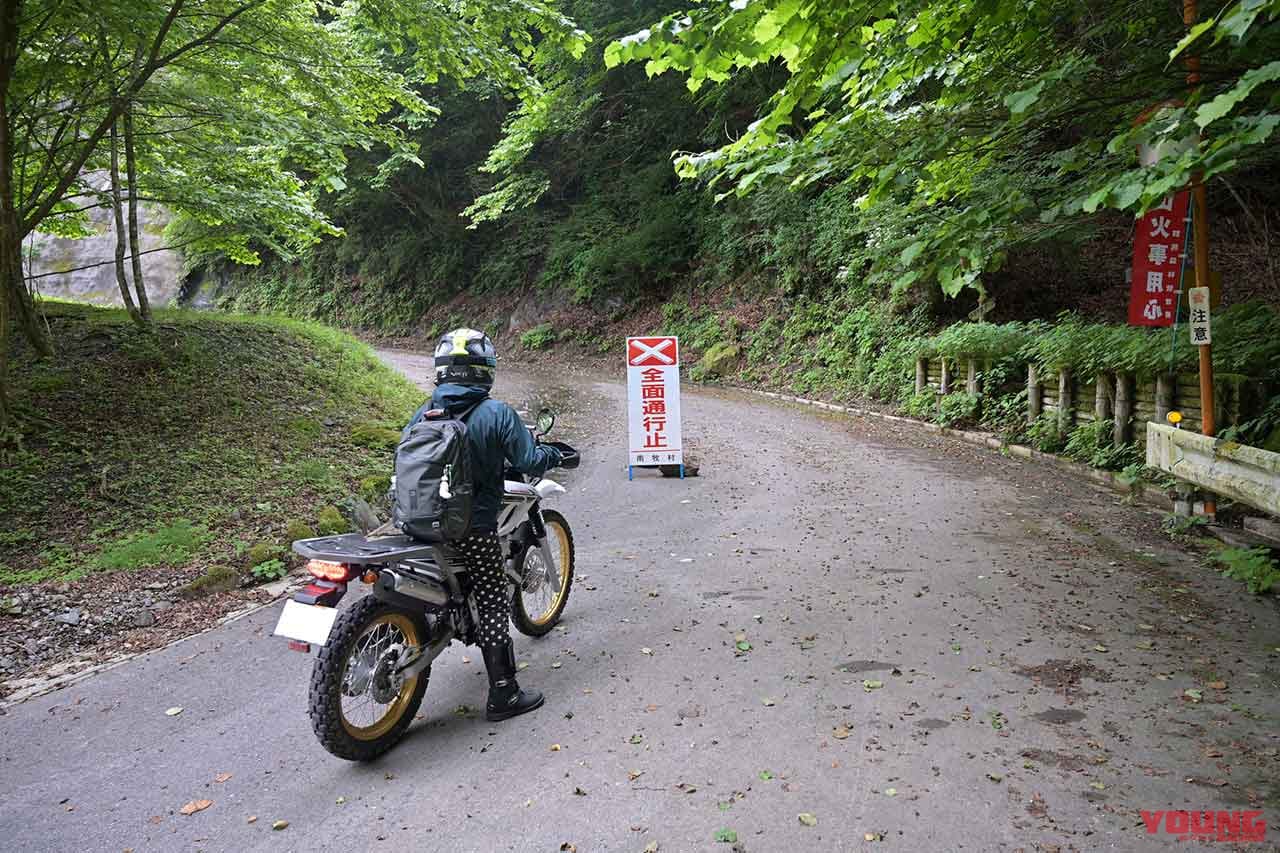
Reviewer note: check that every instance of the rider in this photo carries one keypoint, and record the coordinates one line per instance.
(466, 362)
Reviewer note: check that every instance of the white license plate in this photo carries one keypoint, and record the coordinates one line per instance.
(306, 622)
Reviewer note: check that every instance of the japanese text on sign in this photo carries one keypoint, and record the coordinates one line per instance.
(1198, 305)
(653, 401)
(1157, 262)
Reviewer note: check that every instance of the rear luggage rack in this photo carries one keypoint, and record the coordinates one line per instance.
(353, 549)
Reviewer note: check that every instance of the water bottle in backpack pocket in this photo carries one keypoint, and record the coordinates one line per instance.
(433, 487)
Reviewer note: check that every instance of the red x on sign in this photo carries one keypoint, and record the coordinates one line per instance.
(656, 352)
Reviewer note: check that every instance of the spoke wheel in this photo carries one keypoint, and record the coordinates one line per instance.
(360, 707)
(541, 598)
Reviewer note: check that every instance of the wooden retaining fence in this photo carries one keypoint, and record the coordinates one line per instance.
(1124, 398)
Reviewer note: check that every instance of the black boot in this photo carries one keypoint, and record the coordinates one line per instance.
(506, 699)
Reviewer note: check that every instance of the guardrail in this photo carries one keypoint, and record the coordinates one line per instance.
(1247, 474)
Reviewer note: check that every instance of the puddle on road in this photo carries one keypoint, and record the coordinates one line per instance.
(932, 723)
(1058, 716)
(855, 666)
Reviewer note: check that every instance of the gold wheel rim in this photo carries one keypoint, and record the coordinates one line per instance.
(564, 556)
(397, 707)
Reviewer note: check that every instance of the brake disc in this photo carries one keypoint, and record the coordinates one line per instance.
(385, 683)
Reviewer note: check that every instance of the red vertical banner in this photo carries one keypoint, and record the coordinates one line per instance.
(1158, 249)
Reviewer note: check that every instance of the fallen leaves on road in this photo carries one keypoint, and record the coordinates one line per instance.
(872, 836)
(579, 792)
(768, 702)
(869, 684)
(1217, 685)
(840, 733)
(996, 777)
(221, 777)
(279, 825)
(891, 792)
(174, 711)
(555, 747)
(195, 806)
(651, 847)
(253, 818)
(807, 819)
(727, 836)
(1193, 694)
(646, 651)
(633, 775)
(766, 775)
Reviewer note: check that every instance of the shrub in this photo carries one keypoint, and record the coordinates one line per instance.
(539, 337)
(330, 522)
(1093, 445)
(1259, 571)
(215, 579)
(297, 529)
(1006, 415)
(922, 405)
(263, 552)
(1045, 435)
(956, 410)
(271, 570)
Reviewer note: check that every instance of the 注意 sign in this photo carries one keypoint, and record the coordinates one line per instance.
(1157, 262)
(1198, 316)
(653, 401)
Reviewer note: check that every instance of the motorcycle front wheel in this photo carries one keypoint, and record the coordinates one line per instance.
(540, 599)
(359, 706)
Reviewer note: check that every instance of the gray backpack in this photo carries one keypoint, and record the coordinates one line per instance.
(433, 490)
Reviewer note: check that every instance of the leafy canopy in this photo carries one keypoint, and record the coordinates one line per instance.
(971, 126)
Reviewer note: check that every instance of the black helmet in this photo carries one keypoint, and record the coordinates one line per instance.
(466, 357)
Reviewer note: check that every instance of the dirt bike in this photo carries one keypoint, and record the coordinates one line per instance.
(374, 658)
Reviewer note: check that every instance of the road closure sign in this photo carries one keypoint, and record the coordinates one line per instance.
(653, 402)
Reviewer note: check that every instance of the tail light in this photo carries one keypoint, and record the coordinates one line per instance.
(327, 571)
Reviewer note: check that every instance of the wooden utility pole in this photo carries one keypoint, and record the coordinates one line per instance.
(1200, 221)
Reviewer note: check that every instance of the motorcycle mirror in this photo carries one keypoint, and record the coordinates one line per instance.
(546, 420)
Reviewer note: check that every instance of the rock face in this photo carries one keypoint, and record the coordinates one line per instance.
(56, 260)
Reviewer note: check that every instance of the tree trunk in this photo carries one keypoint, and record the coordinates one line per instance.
(117, 209)
(131, 178)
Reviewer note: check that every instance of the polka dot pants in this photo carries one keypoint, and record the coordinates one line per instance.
(482, 556)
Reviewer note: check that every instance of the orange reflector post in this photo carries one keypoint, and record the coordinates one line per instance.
(299, 646)
(328, 571)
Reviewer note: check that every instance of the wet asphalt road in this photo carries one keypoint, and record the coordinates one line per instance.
(1032, 639)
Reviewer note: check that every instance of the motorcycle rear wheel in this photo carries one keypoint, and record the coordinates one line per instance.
(352, 666)
(536, 611)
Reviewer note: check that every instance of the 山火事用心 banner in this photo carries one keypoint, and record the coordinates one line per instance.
(1157, 262)
(653, 402)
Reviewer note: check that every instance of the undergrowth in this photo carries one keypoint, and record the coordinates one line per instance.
(160, 450)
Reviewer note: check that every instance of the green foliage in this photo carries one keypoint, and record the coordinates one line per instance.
(957, 410)
(375, 436)
(716, 362)
(270, 570)
(262, 552)
(1249, 336)
(187, 454)
(1092, 444)
(1045, 434)
(539, 337)
(1181, 526)
(173, 545)
(1259, 571)
(298, 529)
(968, 128)
(979, 341)
(1006, 415)
(921, 406)
(331, 522)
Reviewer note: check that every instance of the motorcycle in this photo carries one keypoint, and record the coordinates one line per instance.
(374, 658)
